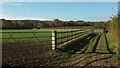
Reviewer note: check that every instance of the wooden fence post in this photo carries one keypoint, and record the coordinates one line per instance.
(75, 33)
(67, 35)
(61, 37)
(92, 30)
(54, 40)
(71, 34)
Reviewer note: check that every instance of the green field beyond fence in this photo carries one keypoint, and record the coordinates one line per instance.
(38, 36)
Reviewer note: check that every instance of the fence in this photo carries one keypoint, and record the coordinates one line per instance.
(26, 37)
(56, 38)
(99, 30)
(61, 37)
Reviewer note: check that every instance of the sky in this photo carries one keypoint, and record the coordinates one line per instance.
(59, 0)
(87, 11)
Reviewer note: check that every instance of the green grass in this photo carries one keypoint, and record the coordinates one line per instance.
(71, 48)
(111, 39)
(40, 35)
(70, 27)
(76, 45)
(68, 34)
(92, 43)
(21, 35)
(112, 42)
(19, 30)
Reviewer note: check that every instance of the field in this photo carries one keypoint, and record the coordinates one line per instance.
(93, 49)
(32, 36)
(21, 36)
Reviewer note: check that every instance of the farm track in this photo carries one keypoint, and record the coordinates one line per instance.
(100, 57)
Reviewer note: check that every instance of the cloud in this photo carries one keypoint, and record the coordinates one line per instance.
(27, 1)
(8, 17)
(15, 4)
(96, 18)
(1, 2)
(5, 17)
(21, 0)
(32, 0)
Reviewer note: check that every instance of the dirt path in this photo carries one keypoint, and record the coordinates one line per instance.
(102, 46)
(99, 57)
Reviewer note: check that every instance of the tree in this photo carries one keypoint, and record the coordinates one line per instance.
(50, 24)
(17, 25)
(26, 25)
(42, 25)
(56, 22)
(8, 25)
(71, 23)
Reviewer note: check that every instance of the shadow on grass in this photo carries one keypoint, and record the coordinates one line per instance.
(77, 45)
(94, 48)
(108, 45)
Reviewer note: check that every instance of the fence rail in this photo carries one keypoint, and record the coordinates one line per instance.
(54, 38)
(59, 38)
(26, 37)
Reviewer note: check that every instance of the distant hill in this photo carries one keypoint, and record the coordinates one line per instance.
(27, 21)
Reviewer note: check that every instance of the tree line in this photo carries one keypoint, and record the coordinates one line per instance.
(9, 24)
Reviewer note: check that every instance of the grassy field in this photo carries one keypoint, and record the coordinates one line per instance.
(22, 35)
(44, 35)
(112, 42)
